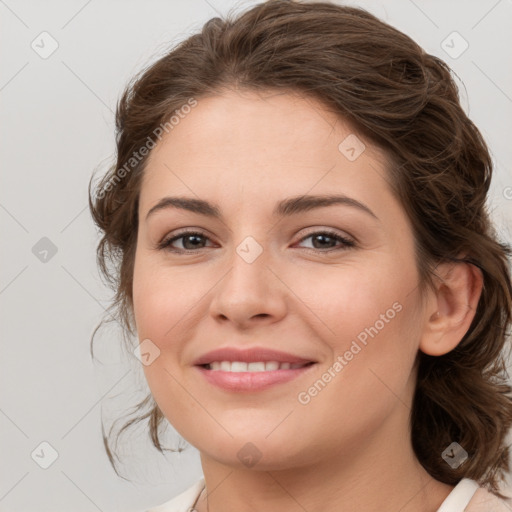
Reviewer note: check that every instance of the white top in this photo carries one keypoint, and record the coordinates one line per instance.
(463, 494)
(460, 496)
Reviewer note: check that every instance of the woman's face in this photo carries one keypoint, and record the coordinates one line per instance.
(261, 272)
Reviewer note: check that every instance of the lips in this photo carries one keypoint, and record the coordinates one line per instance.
(251, 355)
(237, 370)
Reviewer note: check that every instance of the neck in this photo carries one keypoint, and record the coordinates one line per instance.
(383, 476)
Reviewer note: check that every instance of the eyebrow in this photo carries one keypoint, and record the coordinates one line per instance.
(284, 208)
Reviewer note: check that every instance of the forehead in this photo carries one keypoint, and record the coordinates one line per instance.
(252, 146)
(257, 125)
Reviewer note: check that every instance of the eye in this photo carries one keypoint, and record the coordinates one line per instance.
(190, 241)
(327, 240)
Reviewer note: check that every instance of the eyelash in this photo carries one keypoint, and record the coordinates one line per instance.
(165, 244)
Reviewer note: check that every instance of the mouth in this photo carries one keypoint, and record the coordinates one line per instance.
(250, 369)
(254, 376)
(253, 367)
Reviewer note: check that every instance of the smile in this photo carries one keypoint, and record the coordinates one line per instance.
(237, 376)
(258, 366)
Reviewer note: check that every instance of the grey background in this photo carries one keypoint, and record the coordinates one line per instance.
(57, 126)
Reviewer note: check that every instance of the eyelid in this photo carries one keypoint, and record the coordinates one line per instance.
(167, 240)
(313, 230)
(347, 241)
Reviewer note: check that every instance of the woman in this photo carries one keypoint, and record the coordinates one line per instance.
(298, 218)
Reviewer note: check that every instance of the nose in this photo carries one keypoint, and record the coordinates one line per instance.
(249, 294)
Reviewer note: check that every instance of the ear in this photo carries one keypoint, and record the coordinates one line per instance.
(452, 307)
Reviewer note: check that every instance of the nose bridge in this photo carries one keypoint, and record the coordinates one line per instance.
(249, 275)
(249, 289)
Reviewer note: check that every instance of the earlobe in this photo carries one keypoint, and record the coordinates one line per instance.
(452, 308)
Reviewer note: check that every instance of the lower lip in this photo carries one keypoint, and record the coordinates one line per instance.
(251, 381)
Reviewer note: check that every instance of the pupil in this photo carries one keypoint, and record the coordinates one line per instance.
(322, 237)
(191, 237)
(196, 240)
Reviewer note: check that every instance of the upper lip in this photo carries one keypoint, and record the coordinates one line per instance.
(249, 355)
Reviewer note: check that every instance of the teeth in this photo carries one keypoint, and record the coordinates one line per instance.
(260, 366)
(256, 367)
(238, 367)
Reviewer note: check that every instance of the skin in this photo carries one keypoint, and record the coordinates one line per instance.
(348, 448)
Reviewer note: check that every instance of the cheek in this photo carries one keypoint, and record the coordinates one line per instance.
(368, 316)
(162, 297)
(347, 299)
(373, 352)
(161, 300)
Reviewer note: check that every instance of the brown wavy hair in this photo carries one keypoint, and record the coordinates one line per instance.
(406, 102)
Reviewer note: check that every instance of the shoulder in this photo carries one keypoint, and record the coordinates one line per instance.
(468, 496)
(184, 501)
(485, 501)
